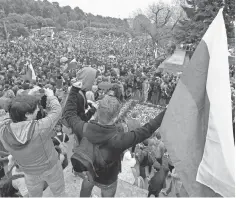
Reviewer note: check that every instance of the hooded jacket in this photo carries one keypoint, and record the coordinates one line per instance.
(113, 143)
(29, 142)
(87, 76)
(81, 105)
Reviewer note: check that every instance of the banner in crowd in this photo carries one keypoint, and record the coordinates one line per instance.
(30, 73)
(197, 127)
(72, 65)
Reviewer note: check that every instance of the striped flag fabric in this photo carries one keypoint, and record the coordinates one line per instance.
(30, 73)
(197, 127)
(72, 65)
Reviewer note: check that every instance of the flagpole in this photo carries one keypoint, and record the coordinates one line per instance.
(5, 27)
(146, 45)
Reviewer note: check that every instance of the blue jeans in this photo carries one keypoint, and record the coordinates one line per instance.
(53, 177)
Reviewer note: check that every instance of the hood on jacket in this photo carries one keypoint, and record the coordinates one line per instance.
(98, 134)
(18, 135)
(87, 76)
(4, 103)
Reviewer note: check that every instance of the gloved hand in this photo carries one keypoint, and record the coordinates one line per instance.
(94, 104)
(90, 104)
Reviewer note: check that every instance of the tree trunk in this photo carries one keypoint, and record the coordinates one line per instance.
(5, 29)
(154, 44)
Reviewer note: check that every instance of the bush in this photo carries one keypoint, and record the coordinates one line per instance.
(72, 25)
(17, 30)
(58, 28)
(29, 20)
(49, 22)
(14, 18)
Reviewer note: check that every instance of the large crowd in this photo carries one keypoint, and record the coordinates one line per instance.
(63, 97)
(113, 56)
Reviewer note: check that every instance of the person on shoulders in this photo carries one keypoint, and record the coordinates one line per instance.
(103, 132)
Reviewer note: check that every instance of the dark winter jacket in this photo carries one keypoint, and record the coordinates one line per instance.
(82, 105)
(113, 142)
(157, 182)
(79, 97)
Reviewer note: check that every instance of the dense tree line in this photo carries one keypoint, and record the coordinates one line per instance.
(17, 16)
(200, 14)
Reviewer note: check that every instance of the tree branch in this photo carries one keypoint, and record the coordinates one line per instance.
(168, 15)
(156, 14)
(170, 36)
(154, 10)
(176, 22)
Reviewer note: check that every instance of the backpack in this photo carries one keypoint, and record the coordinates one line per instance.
(63, 146)
(87, 157)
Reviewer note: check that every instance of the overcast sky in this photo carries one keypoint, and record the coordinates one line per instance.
(112, 8)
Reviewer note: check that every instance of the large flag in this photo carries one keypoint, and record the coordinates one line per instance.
(197, 127)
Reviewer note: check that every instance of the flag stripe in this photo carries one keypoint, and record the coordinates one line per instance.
(71, 65)
(219, 146)
(195, 75)
(192, 128)
(33, 72)
(219, 82)
(185, 145)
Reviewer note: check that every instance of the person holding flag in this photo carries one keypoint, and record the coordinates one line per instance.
(30, 73)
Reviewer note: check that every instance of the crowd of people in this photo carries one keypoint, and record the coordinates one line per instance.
(135, 72)
(78, 86)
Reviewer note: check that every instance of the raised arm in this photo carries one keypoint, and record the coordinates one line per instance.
(124, 141)
(46, 125)
(70, 113)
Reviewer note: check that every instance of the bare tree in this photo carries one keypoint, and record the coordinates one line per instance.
(159, 14)
(163, 18)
